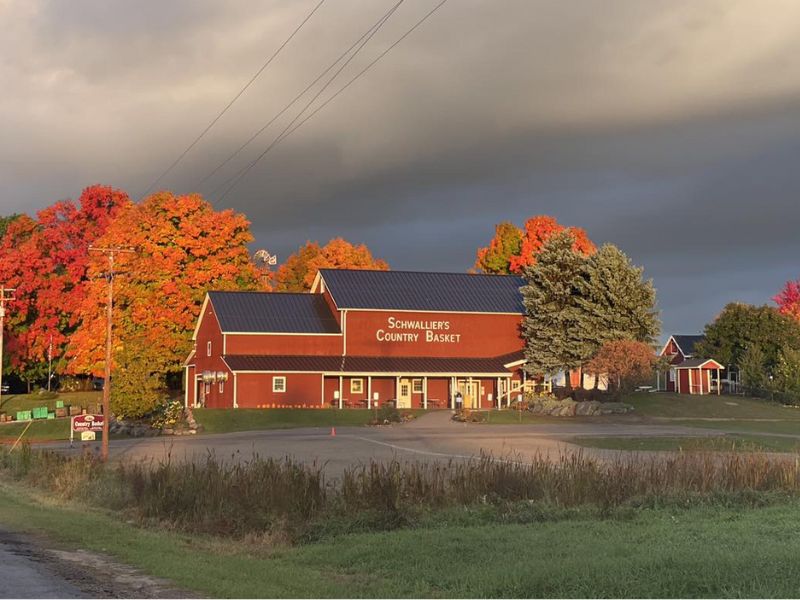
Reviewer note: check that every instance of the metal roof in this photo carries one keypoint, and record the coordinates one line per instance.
(687, 342)
(367, 364)
(271, 312)
(423, 291)
(694, 363)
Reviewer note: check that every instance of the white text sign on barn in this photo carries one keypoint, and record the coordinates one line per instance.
(417, 330)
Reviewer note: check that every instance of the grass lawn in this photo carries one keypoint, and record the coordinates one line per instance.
(512, 417)
(11, 403)
(708, 552)
(787, 427)
(721, 443)
(216, 420)
(664, 404)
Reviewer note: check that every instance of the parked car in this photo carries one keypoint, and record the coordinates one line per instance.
(98, 383)
(5, 388)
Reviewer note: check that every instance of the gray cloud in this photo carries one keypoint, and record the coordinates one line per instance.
(670, 129)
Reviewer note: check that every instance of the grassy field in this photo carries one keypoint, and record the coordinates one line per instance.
(242, 419)
(719, 407)
(666, 552)
(721, 443)
(11, 403)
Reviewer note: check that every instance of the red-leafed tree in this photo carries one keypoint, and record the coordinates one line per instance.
(788, 300)
(298, 272)
(46, 260)
(626, 363)
(511, 249)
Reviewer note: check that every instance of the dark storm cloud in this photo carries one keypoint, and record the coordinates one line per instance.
(670, 129)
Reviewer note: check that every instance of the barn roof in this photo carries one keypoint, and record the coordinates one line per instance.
(265, 312)
(686, 343)
(424, 291)
(367, 364)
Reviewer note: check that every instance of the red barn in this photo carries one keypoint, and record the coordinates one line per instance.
(688, 374)
(361, 338)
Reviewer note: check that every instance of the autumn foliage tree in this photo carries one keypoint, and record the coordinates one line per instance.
(512, 249)
(788, 300)
(626, 363)
(46, 260)
(183, 248)
(298, 272)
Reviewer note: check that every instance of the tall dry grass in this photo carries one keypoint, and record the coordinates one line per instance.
(265, 495)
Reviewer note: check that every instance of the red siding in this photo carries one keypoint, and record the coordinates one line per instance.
(209, 331)
(479, 335)
(439, 389)
(317, 345)
(254, 390)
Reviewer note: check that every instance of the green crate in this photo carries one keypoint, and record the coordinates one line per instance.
(40, 412)
(59, 404)
(23, 415)
(51, 415)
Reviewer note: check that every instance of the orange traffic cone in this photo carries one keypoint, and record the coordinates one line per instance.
(333, 431)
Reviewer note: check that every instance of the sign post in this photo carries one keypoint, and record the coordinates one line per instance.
(87, 426)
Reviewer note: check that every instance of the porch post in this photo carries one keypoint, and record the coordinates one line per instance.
(235, 392)
(499, 393)
(719, 383)
(658, 380)
(340, 393)
(396, 390)
(322, 391)
(452, 393)
(369, 391)
(425, 393)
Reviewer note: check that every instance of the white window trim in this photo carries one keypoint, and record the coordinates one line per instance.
(208, 348)
(275, 379)
(414, 389)
(360, 382)
(221, 387)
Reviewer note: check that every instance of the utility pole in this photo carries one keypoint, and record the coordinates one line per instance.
(111, 254)
(6, 294)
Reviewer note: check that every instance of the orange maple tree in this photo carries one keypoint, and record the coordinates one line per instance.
(512, 249)
(183, 248)
(298, 272)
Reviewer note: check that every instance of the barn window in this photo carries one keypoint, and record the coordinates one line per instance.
(279, 384)
(208, 348)
(221, 387)
(356, 386)
(416, 386)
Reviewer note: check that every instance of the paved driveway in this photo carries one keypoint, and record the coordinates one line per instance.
(431, 437)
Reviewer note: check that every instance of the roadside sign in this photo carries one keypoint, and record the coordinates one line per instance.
(86, 426)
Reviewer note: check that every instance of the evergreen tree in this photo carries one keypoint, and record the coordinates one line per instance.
(616, 301)
(552, 327)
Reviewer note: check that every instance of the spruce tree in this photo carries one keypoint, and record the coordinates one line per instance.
(554, 340)
(616, 302)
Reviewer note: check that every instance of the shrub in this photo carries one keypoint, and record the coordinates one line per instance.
(388, 413)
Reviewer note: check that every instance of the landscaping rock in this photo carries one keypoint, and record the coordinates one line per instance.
(570, 408)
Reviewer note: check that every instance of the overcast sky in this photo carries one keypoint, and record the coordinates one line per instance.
(670, 128)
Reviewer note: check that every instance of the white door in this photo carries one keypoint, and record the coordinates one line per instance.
(404, 394)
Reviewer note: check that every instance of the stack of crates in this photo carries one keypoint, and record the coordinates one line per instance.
(24, 415)
(40, 412)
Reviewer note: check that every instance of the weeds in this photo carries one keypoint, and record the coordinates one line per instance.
(287, 500)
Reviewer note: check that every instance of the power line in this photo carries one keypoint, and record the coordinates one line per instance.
(236, 153)
(235, 98)
(283, 136)
(246, 168)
